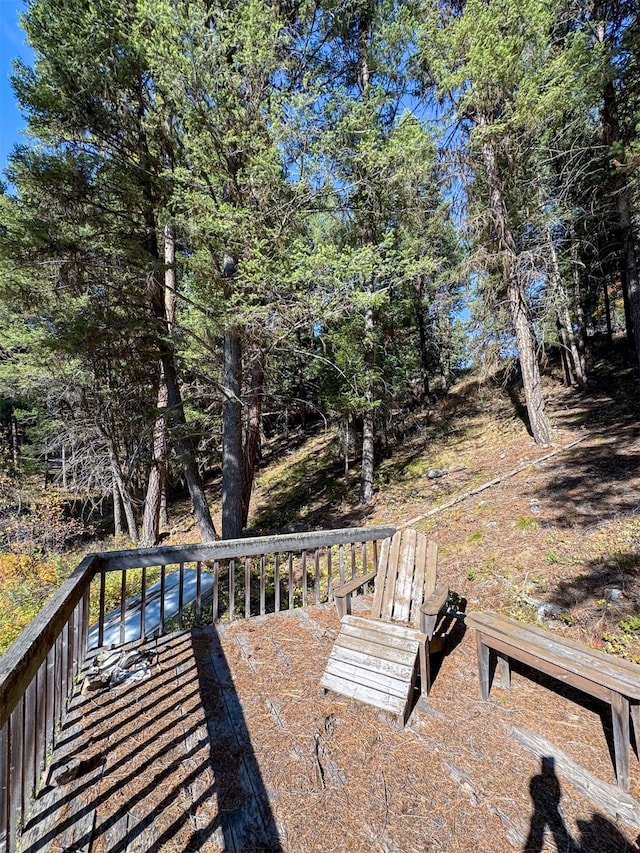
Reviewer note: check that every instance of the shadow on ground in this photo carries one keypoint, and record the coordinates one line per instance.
(597, 835)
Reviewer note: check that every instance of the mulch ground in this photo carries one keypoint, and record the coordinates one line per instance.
(232, 746)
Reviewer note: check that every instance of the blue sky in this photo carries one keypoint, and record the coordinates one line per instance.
(12, 45)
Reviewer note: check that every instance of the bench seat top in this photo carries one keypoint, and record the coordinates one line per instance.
(611, 672)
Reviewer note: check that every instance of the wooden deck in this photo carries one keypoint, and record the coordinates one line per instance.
(231, 746)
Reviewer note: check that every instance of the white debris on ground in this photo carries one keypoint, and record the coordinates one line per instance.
(114, 668)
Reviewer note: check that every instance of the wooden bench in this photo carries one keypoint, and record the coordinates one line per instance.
(603, 676)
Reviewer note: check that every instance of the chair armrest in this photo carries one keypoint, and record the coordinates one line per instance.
(431, 607)
(340, 593)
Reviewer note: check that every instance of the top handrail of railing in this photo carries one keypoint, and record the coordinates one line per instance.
(226, 549)
(19, 664)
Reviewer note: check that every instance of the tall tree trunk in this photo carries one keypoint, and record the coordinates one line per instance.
(581, 333)
(518, 304)
(125, 497)
(157, 475)
(366, 477)
(177, 420)
(252, 432)
(418, 298)
(564, 353)
(622, 195)
(565, 324)
(157, 300)
(630, 262)
(155, 505)
(232, 436)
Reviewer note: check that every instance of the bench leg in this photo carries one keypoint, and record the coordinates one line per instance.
(483, 666)
(504, 672)
(620, 717)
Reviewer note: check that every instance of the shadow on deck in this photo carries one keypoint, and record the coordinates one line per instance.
(166, 764)
(231, 746)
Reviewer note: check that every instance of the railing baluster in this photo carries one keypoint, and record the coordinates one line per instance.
(84, 627)
(16, 734)
(263, 588)
(72, 630)
(180, 595)
(329, 576)
(215, 599)
(352, 549)
(290, 578)
(304, 578)
(41, 717)
(57, 689)
(316, 569)
(163, 586)
(143, 604)
(103, 583)
(198, 592)
(276, 583)
(232, 589)
(247, 587)
(5, 803)
(64, 660)
(341, 562)
(29, 769)
(49, 703)
(123, 605)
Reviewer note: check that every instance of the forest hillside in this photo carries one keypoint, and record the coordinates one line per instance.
(545, 534)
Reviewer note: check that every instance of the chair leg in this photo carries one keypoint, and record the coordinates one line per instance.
(425, 670)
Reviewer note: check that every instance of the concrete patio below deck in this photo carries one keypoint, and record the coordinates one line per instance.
(231, 746)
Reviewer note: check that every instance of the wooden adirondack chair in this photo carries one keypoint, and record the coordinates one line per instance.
(375, 659)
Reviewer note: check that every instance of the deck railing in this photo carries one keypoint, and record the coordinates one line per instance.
(156, 589)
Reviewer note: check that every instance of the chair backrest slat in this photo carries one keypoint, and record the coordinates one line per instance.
(419, 585)
(404, 580)
(406, 577)
(389, 580)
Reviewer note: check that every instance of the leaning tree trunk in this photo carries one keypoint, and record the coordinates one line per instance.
(117, 508)
(232, 436)
(252, 432)
(517, 298)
